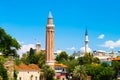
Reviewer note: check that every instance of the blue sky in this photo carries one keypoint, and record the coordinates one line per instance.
(26, 21)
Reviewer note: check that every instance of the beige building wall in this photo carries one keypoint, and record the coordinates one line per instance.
(28, 75)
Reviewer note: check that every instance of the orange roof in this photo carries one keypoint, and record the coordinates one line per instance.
(115, 59)
(33, 66)
(16, 67)
(61, 65)
(27, 67)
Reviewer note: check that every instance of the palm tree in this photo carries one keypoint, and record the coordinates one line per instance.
(80, 72)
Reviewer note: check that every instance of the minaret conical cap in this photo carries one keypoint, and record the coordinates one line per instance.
(86, 32)
(50, 15)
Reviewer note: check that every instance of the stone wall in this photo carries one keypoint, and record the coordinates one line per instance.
(9, 66)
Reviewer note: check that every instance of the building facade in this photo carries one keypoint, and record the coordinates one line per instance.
(28, 72)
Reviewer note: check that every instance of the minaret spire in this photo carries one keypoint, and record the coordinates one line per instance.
(86, 32)
(50, 15)
(50, 18)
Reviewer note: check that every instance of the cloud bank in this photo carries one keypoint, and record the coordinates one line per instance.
(111, 44)
(25, 48)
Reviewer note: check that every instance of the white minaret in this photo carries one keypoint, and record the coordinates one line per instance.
(86, 41)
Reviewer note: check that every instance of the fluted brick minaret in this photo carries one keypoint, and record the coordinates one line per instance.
(50, 41)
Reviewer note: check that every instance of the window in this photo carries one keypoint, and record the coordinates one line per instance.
(20, 78)
(36, 78)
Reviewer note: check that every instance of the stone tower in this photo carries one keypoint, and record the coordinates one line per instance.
(50, 41)
(86, 41)
(38, 46)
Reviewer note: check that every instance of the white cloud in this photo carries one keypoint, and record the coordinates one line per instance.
(111, 44)
(25, 48)
(58, 51)
(72, 48)
(82, 49)
(101, 36)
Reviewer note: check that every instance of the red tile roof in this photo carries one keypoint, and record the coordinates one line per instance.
(26, 67)
(116, 59)
(61, 65)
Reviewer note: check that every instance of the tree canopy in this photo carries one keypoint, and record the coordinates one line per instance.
(48, 72)
(8, 45)
(61, 57)
(3, 73)
(32, 58)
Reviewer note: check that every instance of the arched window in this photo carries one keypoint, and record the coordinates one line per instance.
(31, 77)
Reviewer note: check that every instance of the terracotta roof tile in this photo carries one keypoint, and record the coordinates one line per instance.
(16, 67)
(117, 59)
(61, 65)
(27, 67)
(34, 67)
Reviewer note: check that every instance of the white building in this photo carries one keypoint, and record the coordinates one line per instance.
(101, 54)
(28, 72)
(60, 71)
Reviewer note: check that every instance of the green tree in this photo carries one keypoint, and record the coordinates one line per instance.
(116, 67)
(3, 73)
(71, 65)
(31, 57)
(88, 58)
(96, 60)
(71, 57)
(106, 73)
(17, 60)
(104, 64)
(80, 72)
(100, 71)
(48, 72)
(2, 59)
(15, 75)
(81, 60)
(8, 45)
(93, 70)
(63, 56)
(41, 58)
(24, 58)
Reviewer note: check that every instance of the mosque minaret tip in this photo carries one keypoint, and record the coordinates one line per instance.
(86, 41)
(50, 41)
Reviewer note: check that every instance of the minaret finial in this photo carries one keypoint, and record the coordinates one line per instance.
(86, 32)
(50, 15)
